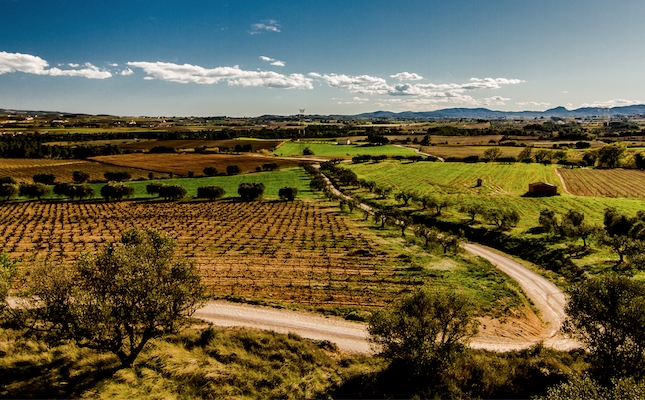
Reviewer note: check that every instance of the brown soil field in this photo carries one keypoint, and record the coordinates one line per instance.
(626, 183)
(24, 169)
(191, 144)
(282, 252)
(180, 164)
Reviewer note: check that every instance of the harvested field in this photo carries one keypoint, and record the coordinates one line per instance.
(626, 183)
(461, 151)
(23, 169)
(191, 144)
(180, 164)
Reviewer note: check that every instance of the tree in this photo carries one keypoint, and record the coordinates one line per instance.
(425, 332)
(34, 190)
(172, 192)
(210, 192)
(270, 166)
(525, 155)
(548, 221)
(639, 160)
(473, 210)
(493, 153)
(154, 188)
(405, 196)
(80, 176)
(503, 218)
(7, 272)
(116, 191)
(44, 178)
(117, 300)
(288, 193)
(250, 190)
(210, 171)
(606, 314)
(8, 190)
(574, 226)
(307, 152)
(543, 157)
(610, 156)
(7, 179)
(233, 170)
(117, 176)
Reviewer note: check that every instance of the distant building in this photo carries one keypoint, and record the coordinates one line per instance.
(542, 189)
(343, 141)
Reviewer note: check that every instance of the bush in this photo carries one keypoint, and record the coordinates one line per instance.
(116, 191)
(307, 152)
(210, 171)
(270, 166)
(172, 192)
(288, 193)
(233, 170)
(210, 192)
(117, 176)
(80, 176)
(46, 179)
(163, 149)
(8, 190)
(34, 190)
(251, 190)
(7, 179)
(154, 188)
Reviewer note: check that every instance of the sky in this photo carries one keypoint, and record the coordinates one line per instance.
(250, 57)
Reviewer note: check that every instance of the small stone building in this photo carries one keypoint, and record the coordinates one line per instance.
(343, 141)
(542, 189)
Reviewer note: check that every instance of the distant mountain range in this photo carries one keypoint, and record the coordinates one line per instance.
(485, 113)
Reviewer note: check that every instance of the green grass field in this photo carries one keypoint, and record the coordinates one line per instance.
(343, 151)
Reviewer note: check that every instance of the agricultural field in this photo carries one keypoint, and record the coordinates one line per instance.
(298, 252)
(23, 169)
(503, 187)
(461, 151)
(293, 149)
(191, 144)
(626, 183)
(180, 164)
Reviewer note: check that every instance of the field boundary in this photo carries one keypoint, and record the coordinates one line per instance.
(564, 185)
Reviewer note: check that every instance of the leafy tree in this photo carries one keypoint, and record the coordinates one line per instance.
(80, 176)
(250, 190)
(405, 196)
(80, 192)
(543, 156)
(610, 156)
(116, 191)
(503, 218)
(307, 152)
(8, 179)
(44, 178)
(172, 192)
(288, 193)
(425, 332)
(382, 191)
(8, 190)
(590, 157)
(34, 190)
(560, 156)
(525, 155)
(606, 314)
(210, 192)
(210, 171)
(585, 388)
(639, 160)
(117, 176)
(117, 300)
(493, 153)
(270, 166)
(233, 170)
(62, 189)
(154, 188)
(574, 226)
(473, 210)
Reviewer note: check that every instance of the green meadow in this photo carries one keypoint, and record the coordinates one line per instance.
(338, 150)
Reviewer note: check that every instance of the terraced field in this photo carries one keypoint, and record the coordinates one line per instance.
(627, 183)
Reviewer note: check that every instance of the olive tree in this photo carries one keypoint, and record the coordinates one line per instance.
(210, 192)
(425, 331)
(80, 176)
(117, 300)
(250, 190)
(288, 193)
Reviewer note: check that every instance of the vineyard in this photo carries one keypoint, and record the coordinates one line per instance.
(191, 144)
(625, 183)
(23, 169)
(180, 164)
(277, 252)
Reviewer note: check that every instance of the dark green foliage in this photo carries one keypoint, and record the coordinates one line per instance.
(172, 192)
(74, 191)
(80, 176)
(7, 271)
(210, 192)
(117, 300)
(118, 176)
(163, 149)
(116, 191)
(270, 166)
(8, 190)
(606, 315)
(233, 170)
(288, 193)
(154, 188)
(7, 179)
(307, 152)
(611, 155)
(44, 178)
(34, 190)
(250, 190)
(210, 171)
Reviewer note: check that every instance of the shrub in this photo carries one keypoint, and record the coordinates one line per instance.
(62, 189)
(210, 171)
(80, 176)
(251, 190)
(172, 192)
(34, 190)
(307, 152)
(8, 190)
(118, 176)
(270, 166)
(44, 178)
(233, 169)
(163, 149)
(210, 192)
(116, 191)
(154, 188)
(288, 193)
(7, 179)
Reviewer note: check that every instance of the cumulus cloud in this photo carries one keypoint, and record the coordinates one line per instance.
(29, 64)
(127, 72)
(73, 65)
(533, 103)
(234, 76)
(407, 76)
(269, 25)
(612, 103)
(273, 61)
(355, 100)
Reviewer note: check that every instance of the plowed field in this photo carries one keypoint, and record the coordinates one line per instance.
(625, 183)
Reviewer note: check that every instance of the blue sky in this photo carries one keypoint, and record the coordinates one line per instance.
(248, 58)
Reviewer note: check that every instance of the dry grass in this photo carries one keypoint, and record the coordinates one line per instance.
(191, 144)
(626, 183)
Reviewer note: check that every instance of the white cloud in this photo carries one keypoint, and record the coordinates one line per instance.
(235, 76)
(612, 103)
(407, 76)
(114, 65)
(355, 100)
(26, 63)
(363, 84)
(127, 72)
(269, 25)
(273, 61)
(533, 103)
(73, 65)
